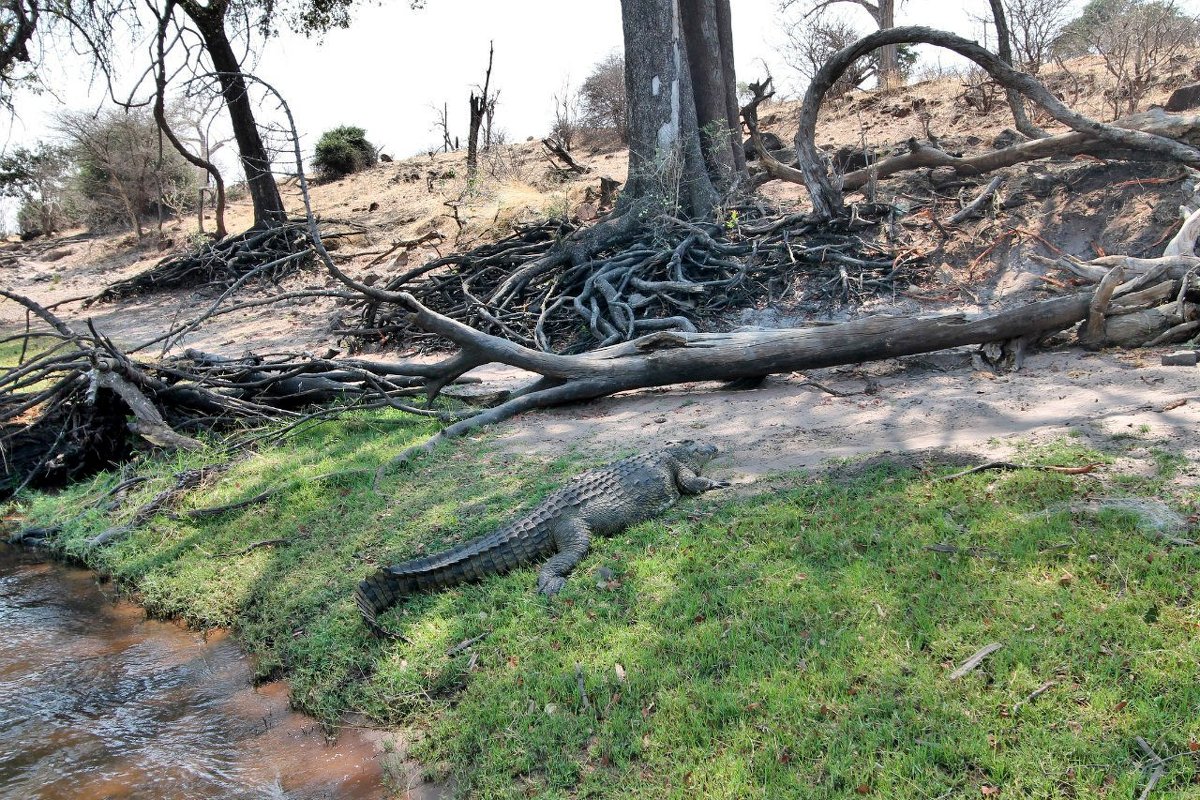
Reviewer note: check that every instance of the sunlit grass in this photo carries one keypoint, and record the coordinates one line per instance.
(791, 644)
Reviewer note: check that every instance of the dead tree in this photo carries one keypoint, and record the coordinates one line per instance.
(827, 197)
(481, 105)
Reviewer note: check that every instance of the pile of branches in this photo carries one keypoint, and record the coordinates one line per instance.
(77, 403)
(666, 275)
(269, 253)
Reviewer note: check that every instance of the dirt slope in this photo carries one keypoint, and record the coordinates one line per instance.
(942, 400)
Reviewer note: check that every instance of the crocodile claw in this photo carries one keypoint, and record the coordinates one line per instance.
(550, 585)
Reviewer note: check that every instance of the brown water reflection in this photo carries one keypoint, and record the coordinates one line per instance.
(98, 702)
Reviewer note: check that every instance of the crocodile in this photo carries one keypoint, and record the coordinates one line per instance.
(601, 501)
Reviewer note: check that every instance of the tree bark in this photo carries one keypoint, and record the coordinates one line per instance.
(709, 38)
(264, 193)
(678, 78)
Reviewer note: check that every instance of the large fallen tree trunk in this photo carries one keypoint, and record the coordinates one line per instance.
(671, 357)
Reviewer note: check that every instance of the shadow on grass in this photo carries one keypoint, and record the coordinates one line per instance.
(796, 644)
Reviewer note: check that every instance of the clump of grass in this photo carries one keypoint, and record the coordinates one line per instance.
(796, 644)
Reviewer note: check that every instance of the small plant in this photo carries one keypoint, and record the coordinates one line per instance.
(343, 151)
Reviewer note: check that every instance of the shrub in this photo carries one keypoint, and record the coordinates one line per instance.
(1137, 39)
(342, 151)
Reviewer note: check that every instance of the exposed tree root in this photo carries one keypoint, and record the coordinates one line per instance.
(667, 274)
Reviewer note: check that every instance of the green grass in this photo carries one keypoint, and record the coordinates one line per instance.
(796, 643)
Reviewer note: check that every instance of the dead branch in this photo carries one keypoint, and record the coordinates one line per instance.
(1175, 126)
(1093, 332)
(1008, 465)
(559, 151)
(827, 198)
(1158, 767)
(979, 202)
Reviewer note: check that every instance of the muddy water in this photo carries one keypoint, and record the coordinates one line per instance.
(98, 702)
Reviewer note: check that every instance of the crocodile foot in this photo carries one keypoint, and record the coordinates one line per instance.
(550, 585)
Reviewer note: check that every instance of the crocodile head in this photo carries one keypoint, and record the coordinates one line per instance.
(694, 454)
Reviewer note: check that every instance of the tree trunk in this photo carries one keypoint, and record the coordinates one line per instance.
(709, 40)
(160, 117)
(889, 55)
(1004, 50)
(264, 193)
(480, 106)
(678, 78)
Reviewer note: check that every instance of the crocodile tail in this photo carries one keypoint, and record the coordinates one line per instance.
(378, 592)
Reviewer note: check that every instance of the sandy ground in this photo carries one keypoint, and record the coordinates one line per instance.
(1114, 399)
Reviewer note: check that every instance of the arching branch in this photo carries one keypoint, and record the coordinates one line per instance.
(827, 198)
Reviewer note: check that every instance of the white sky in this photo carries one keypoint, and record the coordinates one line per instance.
(387, 71)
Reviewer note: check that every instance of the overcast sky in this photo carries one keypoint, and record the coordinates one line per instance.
(393, 65)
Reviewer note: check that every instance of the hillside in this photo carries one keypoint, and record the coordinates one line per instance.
(796, 635)
(1082, 206)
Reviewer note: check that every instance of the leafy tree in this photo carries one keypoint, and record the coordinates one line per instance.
(123, 170)
(18, 23)
(342, 151)
(39, 179)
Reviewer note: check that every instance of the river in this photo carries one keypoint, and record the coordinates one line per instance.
(96, 701)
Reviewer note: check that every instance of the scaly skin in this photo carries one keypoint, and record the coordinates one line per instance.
(600, 502)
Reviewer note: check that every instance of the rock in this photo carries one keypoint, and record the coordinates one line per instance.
(385, 158)
(1007, 138)
(1180, 358)
(1184, 97)
(586, 212)
(373, 207)
(55, 255)
(770, 141)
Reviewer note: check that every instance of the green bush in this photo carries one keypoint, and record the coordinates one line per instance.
(343, 150)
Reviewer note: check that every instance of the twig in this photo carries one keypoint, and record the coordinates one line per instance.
(978, 202)
(1080, 470)
(975, 660)
(1157, 767)
(261, 543)
(1035, 694)
(949, 549)
(583, 698)
(467, 644)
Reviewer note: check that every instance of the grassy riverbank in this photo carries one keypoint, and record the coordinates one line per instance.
(794, 643)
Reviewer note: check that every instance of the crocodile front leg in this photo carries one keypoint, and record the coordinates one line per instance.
(573, 538)
(691, 483)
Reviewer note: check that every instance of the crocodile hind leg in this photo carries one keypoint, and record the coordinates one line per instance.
(573, 538)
